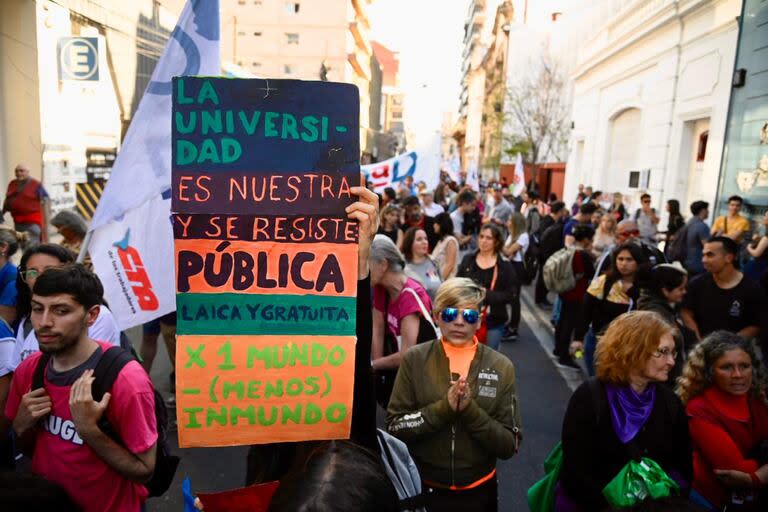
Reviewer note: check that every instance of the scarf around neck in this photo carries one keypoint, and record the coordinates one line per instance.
(629, 410)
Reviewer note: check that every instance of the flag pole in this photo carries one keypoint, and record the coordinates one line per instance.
(84, 248)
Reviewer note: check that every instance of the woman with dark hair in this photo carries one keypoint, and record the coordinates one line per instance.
(624, 414)
(724, 388)
(418, 264)
(608, 296)
(446, 251)
(338, 476)
(662, 289)
(389, 224)
(489, 269)
(674, 223)
(34, 262)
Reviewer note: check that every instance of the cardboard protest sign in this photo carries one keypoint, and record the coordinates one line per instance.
(266, 259)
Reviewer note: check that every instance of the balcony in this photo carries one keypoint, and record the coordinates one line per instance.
(360, 38)
(361, 69)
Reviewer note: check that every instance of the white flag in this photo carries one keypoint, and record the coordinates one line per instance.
(518, 180)
(422, 165)
(132, 240)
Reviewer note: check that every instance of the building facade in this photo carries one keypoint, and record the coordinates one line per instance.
(392, 103)
(306, 40)
(72, 73)
(651, 93)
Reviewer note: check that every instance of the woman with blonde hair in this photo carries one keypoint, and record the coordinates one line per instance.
(724, 388)
(624, 413)
(454, 405)
(605, 235)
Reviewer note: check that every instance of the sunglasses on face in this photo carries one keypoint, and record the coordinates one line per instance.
(469, 315)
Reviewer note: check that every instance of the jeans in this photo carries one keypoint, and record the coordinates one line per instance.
(33, 233)
(590, 344)
(495, 334)
(556, 310)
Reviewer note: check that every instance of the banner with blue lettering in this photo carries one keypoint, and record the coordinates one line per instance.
(422, 165)
(131, 239)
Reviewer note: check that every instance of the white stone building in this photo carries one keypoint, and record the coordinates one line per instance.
(651, 93)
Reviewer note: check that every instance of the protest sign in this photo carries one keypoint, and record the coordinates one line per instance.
(266, 260)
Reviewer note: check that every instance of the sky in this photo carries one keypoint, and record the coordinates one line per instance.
(428, 34)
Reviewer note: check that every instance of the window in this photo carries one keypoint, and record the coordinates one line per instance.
(291, 7)
(287, 69)
(257, 34)
(701, 151)
(240, 2)
(256, 64)
(257, 2)
(397, 115)
(241, 32)
(239, 63)
(291, 38)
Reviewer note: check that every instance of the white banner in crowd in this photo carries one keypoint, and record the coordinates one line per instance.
(518, 180)
(134, 259)
(131, 242)
(423, 165)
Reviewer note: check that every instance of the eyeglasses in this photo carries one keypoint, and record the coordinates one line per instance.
(469, 315)
(665, 352)
(32, 273)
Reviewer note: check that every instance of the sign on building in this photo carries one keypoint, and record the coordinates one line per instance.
(79, 58)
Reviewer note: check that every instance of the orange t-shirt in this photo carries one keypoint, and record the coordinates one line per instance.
(459, 358)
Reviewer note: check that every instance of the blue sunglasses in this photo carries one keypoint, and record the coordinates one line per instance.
(470, 316)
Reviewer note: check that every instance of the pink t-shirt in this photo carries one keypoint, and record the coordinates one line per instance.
(405, 304)
(62, 457)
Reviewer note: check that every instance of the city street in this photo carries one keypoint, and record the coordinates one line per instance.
(543, 393)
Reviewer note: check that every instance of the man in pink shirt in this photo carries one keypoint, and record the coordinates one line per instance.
(60, 420)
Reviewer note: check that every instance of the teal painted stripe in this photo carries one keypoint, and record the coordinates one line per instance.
(244, 313)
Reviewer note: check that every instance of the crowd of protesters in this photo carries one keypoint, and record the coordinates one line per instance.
(669, 335)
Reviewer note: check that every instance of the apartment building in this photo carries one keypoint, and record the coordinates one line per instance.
(306, 40)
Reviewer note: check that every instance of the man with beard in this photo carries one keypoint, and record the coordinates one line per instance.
(60, 420)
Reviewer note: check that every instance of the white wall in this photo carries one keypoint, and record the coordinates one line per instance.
(674, 65)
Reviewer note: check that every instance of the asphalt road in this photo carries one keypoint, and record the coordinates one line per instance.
(543, 390)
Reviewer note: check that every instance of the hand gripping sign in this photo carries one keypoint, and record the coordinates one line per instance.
(266, 260)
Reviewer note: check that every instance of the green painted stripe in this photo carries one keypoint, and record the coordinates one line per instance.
(243, 313)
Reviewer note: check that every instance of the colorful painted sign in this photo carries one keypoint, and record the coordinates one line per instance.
(266, 260)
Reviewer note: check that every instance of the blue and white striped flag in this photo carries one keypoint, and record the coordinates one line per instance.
(131, 240)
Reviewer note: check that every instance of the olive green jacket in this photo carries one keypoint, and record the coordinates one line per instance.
(453, 448)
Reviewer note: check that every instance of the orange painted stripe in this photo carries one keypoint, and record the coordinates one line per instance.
(344, 255)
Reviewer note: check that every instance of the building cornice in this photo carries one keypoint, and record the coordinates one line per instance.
(630, 25)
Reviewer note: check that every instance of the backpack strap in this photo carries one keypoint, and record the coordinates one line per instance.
(38, 378)
(112, 361)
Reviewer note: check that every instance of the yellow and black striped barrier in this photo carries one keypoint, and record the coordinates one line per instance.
(88, 196)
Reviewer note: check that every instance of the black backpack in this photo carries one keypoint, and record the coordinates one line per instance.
(678, 251)
(551, 240)
(107, 369)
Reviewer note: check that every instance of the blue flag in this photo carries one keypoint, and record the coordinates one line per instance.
(131, 239)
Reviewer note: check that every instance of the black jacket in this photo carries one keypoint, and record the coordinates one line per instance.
(593, 453)
(503, 292)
